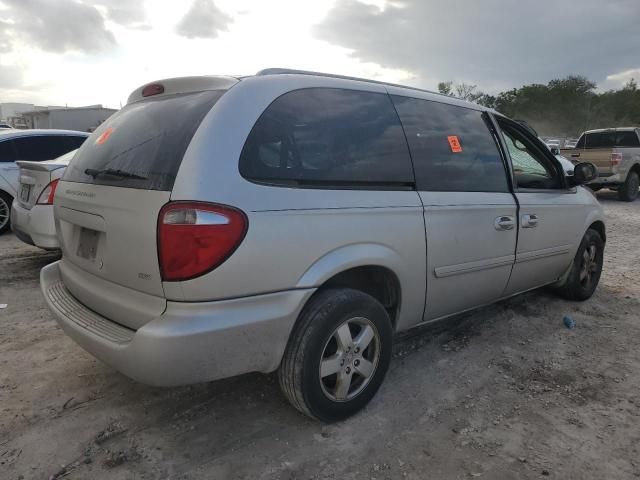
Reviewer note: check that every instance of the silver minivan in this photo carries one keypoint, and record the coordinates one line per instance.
(294, 222)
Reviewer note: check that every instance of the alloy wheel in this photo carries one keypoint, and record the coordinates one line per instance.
(4, 213)
(349, 359)
(589, 265)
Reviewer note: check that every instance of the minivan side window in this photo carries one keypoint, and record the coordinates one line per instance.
(328, 137)
(452, 147)
(532, 168)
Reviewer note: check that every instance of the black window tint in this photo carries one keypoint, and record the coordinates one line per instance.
(326, 136)
(144, 142)
(7, 152)
(580, 143)
(627, 139)
(73, 143)
(452, 147)
(41, 147)
(601, 140)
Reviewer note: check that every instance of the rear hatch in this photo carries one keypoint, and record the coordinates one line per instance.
(34, 178)
(107, 203)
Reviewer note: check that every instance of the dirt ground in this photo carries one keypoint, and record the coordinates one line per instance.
(504, 392)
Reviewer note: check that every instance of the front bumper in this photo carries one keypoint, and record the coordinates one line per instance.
(188, 343)
(35, 226)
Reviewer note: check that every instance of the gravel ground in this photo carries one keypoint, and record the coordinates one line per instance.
(504, 392)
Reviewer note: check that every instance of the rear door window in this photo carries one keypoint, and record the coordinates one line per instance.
(142, 145)
(41, 147)
(627, 138)
(452, 148)
(327, 137)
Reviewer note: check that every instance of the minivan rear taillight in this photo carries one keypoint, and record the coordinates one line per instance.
(616, 159)
(194, 238)
(46, 197)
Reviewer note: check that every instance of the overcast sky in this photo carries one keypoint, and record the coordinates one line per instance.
(79, 52)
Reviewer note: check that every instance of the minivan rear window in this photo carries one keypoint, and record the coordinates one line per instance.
(142, 145)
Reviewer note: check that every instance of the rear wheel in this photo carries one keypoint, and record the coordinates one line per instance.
(338, 354)
(586, 268)
(628, 191)
(5, 212)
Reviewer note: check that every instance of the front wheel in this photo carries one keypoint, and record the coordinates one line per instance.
(5, 212)
(338, 354)
(586, 268)
(628, 191)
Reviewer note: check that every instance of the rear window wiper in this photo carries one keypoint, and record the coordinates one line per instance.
(94, 172)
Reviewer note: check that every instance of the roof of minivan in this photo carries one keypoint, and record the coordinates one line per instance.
(185, 84)
(5, 134)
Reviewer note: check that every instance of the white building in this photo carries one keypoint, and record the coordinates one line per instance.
(84, 119)
(11, 113)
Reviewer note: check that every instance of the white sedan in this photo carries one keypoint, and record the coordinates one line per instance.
(32, 211)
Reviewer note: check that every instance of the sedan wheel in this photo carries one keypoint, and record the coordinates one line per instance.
(5, 211)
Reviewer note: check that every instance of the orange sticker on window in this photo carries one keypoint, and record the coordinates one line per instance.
(105, 136)
(454, 143)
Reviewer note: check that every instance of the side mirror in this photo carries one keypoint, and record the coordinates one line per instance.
(555, 150)
(583, 173)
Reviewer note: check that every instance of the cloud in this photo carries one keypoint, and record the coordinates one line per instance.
(495, 43)
(11, 76)
(129, 13)
(203, 20)
(60, 26)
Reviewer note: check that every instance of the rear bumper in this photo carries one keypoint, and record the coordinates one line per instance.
(189, 342)
(35, 226)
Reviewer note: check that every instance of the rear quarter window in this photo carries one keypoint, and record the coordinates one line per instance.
(144, 142)
(327, 138)
(452, 148)
(627, 138)
(37, 148)
(7, 152)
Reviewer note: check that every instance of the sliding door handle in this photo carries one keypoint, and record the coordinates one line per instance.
(504, 223)
(529, 220)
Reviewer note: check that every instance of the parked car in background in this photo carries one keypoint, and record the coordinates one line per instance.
(570, 143)
(294, 221)
(32, 210)
(616, 153)
(5, 125)
(552, 142)
(31, 145)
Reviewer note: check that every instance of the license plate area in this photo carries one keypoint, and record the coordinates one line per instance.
(25, 192)
(88, 244)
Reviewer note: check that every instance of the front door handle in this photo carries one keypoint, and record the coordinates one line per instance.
(529, 220)
(504, 223)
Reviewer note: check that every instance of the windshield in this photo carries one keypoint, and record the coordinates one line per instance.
(142, 145)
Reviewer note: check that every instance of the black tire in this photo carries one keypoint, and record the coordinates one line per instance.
(586, 268)
(300, 374)
(628, 191)
(5, 212)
